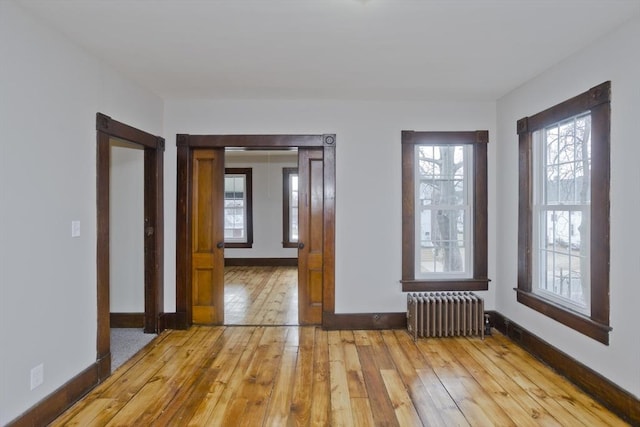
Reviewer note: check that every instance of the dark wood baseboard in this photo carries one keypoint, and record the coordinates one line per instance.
(49, 408)
(333, 321)
(619, 401)
(261, 262)
(168, 321)
(126, 320)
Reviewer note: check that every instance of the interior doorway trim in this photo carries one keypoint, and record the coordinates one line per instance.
(153, 146)
(186, 144)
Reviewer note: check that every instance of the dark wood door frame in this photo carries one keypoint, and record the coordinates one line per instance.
(153, 146)
(185, 144)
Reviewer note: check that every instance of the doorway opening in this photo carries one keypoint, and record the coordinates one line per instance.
(126, 243)
(114, 135)
(261, 237)
(200, 240)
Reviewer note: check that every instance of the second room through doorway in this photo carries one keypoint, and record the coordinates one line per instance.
(261, 237)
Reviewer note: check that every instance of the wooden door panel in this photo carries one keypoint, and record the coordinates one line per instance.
(315, 288)
(207, 274)
(311, 235)
(203, 170)
(202, 290)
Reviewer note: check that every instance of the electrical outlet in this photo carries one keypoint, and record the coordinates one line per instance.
(37, 376)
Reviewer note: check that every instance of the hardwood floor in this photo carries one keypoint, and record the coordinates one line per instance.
(289, 375)
(261, 295)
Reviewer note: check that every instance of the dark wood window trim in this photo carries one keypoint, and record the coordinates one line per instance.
(286, 207)
(247, 172)
(479, 140)
(596, 100)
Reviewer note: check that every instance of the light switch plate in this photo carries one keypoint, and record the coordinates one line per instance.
(37, 376)
(75, 228)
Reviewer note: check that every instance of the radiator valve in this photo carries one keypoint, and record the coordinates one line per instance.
(487, 325)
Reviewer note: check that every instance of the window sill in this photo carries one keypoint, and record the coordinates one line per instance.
(445, 285)
(579, 322)
(236, 245)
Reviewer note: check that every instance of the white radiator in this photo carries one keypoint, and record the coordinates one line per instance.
(445, 314)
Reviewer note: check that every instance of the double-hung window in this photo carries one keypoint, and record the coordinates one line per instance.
(238, 224)
(563, 244)
(444, 223)
(290, 207)
(561, 208)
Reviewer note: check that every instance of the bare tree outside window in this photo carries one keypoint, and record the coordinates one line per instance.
(562, 198)
(442, 204)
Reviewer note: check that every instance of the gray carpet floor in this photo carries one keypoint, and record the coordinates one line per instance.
(125, 343)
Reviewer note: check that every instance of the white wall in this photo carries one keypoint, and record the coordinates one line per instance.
(50, 92)
(613, 58)
(266, 171)
(368, 185)
(126, 230)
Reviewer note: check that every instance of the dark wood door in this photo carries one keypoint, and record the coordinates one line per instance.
(207, 253)
(311, 235)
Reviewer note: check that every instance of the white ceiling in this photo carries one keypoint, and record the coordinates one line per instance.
(358, 49)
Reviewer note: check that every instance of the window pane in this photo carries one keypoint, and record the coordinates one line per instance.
(293, 208)
(444, 205)
(441, 174)
(234, 208)
(443, 241)
(290, 207)
(562, 199)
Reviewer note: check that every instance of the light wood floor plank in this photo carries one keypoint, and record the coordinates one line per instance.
(235, 342)
(90, 412)
(478, 361)
(447, 412)
(321, 389)
(497, 391)
(216, 410)
(362, 414)
(355, 379)
(279, 408)
(403, 406)
(565, 389)
(381, 406)
(426, 408)
(304, 376)
(261, 375)
(261, 296)
(182, 408)
(518, 374)
(478, 408)
(340, 397)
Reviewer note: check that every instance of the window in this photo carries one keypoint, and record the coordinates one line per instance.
(444, 211)
(238, 224)
(563, 238)
(290, 207)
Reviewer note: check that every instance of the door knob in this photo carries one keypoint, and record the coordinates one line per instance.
(220, 245)
(300, 245)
